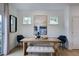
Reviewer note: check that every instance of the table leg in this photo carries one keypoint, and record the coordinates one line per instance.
(57, 49)
(24, 48)
(56, 52)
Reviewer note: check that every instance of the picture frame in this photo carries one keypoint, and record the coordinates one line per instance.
(53, 20)
(13, 23)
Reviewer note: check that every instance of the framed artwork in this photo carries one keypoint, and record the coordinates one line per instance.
(13, 23)
(27, 20)
(53, 19)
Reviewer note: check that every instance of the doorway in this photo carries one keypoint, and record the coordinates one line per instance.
(75, 32)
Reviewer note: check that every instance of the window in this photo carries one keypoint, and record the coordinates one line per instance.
(0, 22)
(53, 20)
(0, 18)
(27, 20)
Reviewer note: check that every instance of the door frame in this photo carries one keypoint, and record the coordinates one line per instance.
(73, 32)
(6, 29)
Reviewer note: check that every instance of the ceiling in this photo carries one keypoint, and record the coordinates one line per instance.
(39, 6)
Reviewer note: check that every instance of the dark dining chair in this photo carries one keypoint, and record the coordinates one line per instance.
(19, 37)
(63, 39)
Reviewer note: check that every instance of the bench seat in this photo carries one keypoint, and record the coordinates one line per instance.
(40, 49)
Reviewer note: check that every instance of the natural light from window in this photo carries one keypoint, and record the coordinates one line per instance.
(0, 18)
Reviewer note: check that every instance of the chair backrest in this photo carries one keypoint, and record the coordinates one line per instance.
(63, 38)
(19, 37)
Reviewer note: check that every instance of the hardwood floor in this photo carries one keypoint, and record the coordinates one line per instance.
(66, 52)
(18, 52)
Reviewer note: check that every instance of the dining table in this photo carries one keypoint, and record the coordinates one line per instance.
(51, 40)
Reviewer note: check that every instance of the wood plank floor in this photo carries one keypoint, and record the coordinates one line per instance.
(66, 52)
(18, 52)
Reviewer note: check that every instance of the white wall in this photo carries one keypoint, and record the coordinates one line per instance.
(12, 36)
(1, 7)
(74, 10)
(53, 30)
(56, 30)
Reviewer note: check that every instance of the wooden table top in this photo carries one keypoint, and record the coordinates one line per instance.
(49, 39)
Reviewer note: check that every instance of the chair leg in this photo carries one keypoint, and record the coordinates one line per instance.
(51, 54)
(18, 45)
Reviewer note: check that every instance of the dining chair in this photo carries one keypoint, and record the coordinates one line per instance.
(19, 37)
(63, 39)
